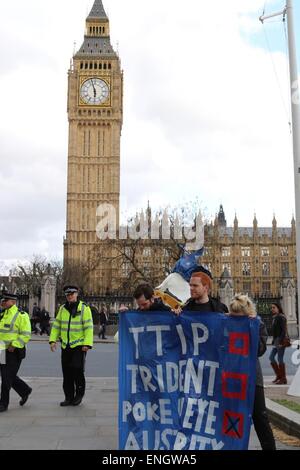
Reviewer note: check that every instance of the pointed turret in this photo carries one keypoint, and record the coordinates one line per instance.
(274, 228)
(97, 12)
(97, 37)
(236, 228)
(294, 229)
(255, 223)
(236, 223)
(97, 23)
(221, 217)
(255, 228)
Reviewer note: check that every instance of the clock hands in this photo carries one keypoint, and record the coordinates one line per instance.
(95, 92)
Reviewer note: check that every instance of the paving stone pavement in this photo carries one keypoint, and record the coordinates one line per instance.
(43, 424)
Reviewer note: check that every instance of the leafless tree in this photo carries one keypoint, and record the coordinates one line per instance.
(28, 276)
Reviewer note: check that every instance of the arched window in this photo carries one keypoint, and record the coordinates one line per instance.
(109, 66)
(104, 66)
(100, 66)
(91, 64)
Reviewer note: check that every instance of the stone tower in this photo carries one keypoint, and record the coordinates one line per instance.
(95, 113)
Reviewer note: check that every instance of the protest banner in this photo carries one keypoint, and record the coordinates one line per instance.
(187, 382)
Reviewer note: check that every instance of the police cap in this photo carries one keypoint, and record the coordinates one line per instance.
(70, 289)
(8, 296)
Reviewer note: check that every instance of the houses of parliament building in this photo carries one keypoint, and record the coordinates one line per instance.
(256, 258)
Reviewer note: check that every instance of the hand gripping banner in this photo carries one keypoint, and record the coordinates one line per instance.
(186, 383)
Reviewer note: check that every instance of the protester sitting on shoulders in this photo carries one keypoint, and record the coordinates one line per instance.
(241, 305)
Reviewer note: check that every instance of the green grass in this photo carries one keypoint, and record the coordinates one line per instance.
(289, 404)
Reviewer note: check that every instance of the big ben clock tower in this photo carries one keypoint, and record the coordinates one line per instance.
(95, 112)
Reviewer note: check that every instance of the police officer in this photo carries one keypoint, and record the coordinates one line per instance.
(74, 327)
(15, 332)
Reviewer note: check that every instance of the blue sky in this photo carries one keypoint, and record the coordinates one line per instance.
(274, 28)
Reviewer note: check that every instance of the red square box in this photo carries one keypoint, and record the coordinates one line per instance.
(233, 338)
(241, 378)
(233, 424)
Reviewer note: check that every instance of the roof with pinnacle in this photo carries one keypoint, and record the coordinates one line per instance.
(98, 12)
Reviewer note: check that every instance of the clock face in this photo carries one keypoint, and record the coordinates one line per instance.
(94, 91)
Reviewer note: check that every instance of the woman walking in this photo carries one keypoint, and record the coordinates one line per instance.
(279, 332)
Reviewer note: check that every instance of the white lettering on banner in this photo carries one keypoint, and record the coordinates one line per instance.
(199, 330)
(189, 413)
(186, 376)
(211, 417)
(182, 339)
(134, 372)
(148, 411)
(199, 339)
(192, 375)
(196, 408)
(160, 377)
(202, 405)
(146, 376)
(158, 330)
(136, 332)
(162, 441)
(172, 377)
(212, 376)
(161, 412)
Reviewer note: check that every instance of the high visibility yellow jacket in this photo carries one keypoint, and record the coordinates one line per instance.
(15, 328)
(73, 331)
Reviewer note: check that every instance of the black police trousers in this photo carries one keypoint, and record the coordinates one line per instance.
(73, 362)
(261, 421)
(10, 379)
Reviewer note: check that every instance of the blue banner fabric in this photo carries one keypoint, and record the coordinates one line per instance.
(187, 382)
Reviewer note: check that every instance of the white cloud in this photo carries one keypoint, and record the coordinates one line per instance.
(202, 113)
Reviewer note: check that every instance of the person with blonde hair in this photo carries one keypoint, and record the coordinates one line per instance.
(242, 305)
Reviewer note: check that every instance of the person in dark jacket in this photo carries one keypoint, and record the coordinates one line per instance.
(35, 319)
(103, 322)
(279, 331)
(44, 322)
(144, 297)
(201, 301)
(241, 305)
